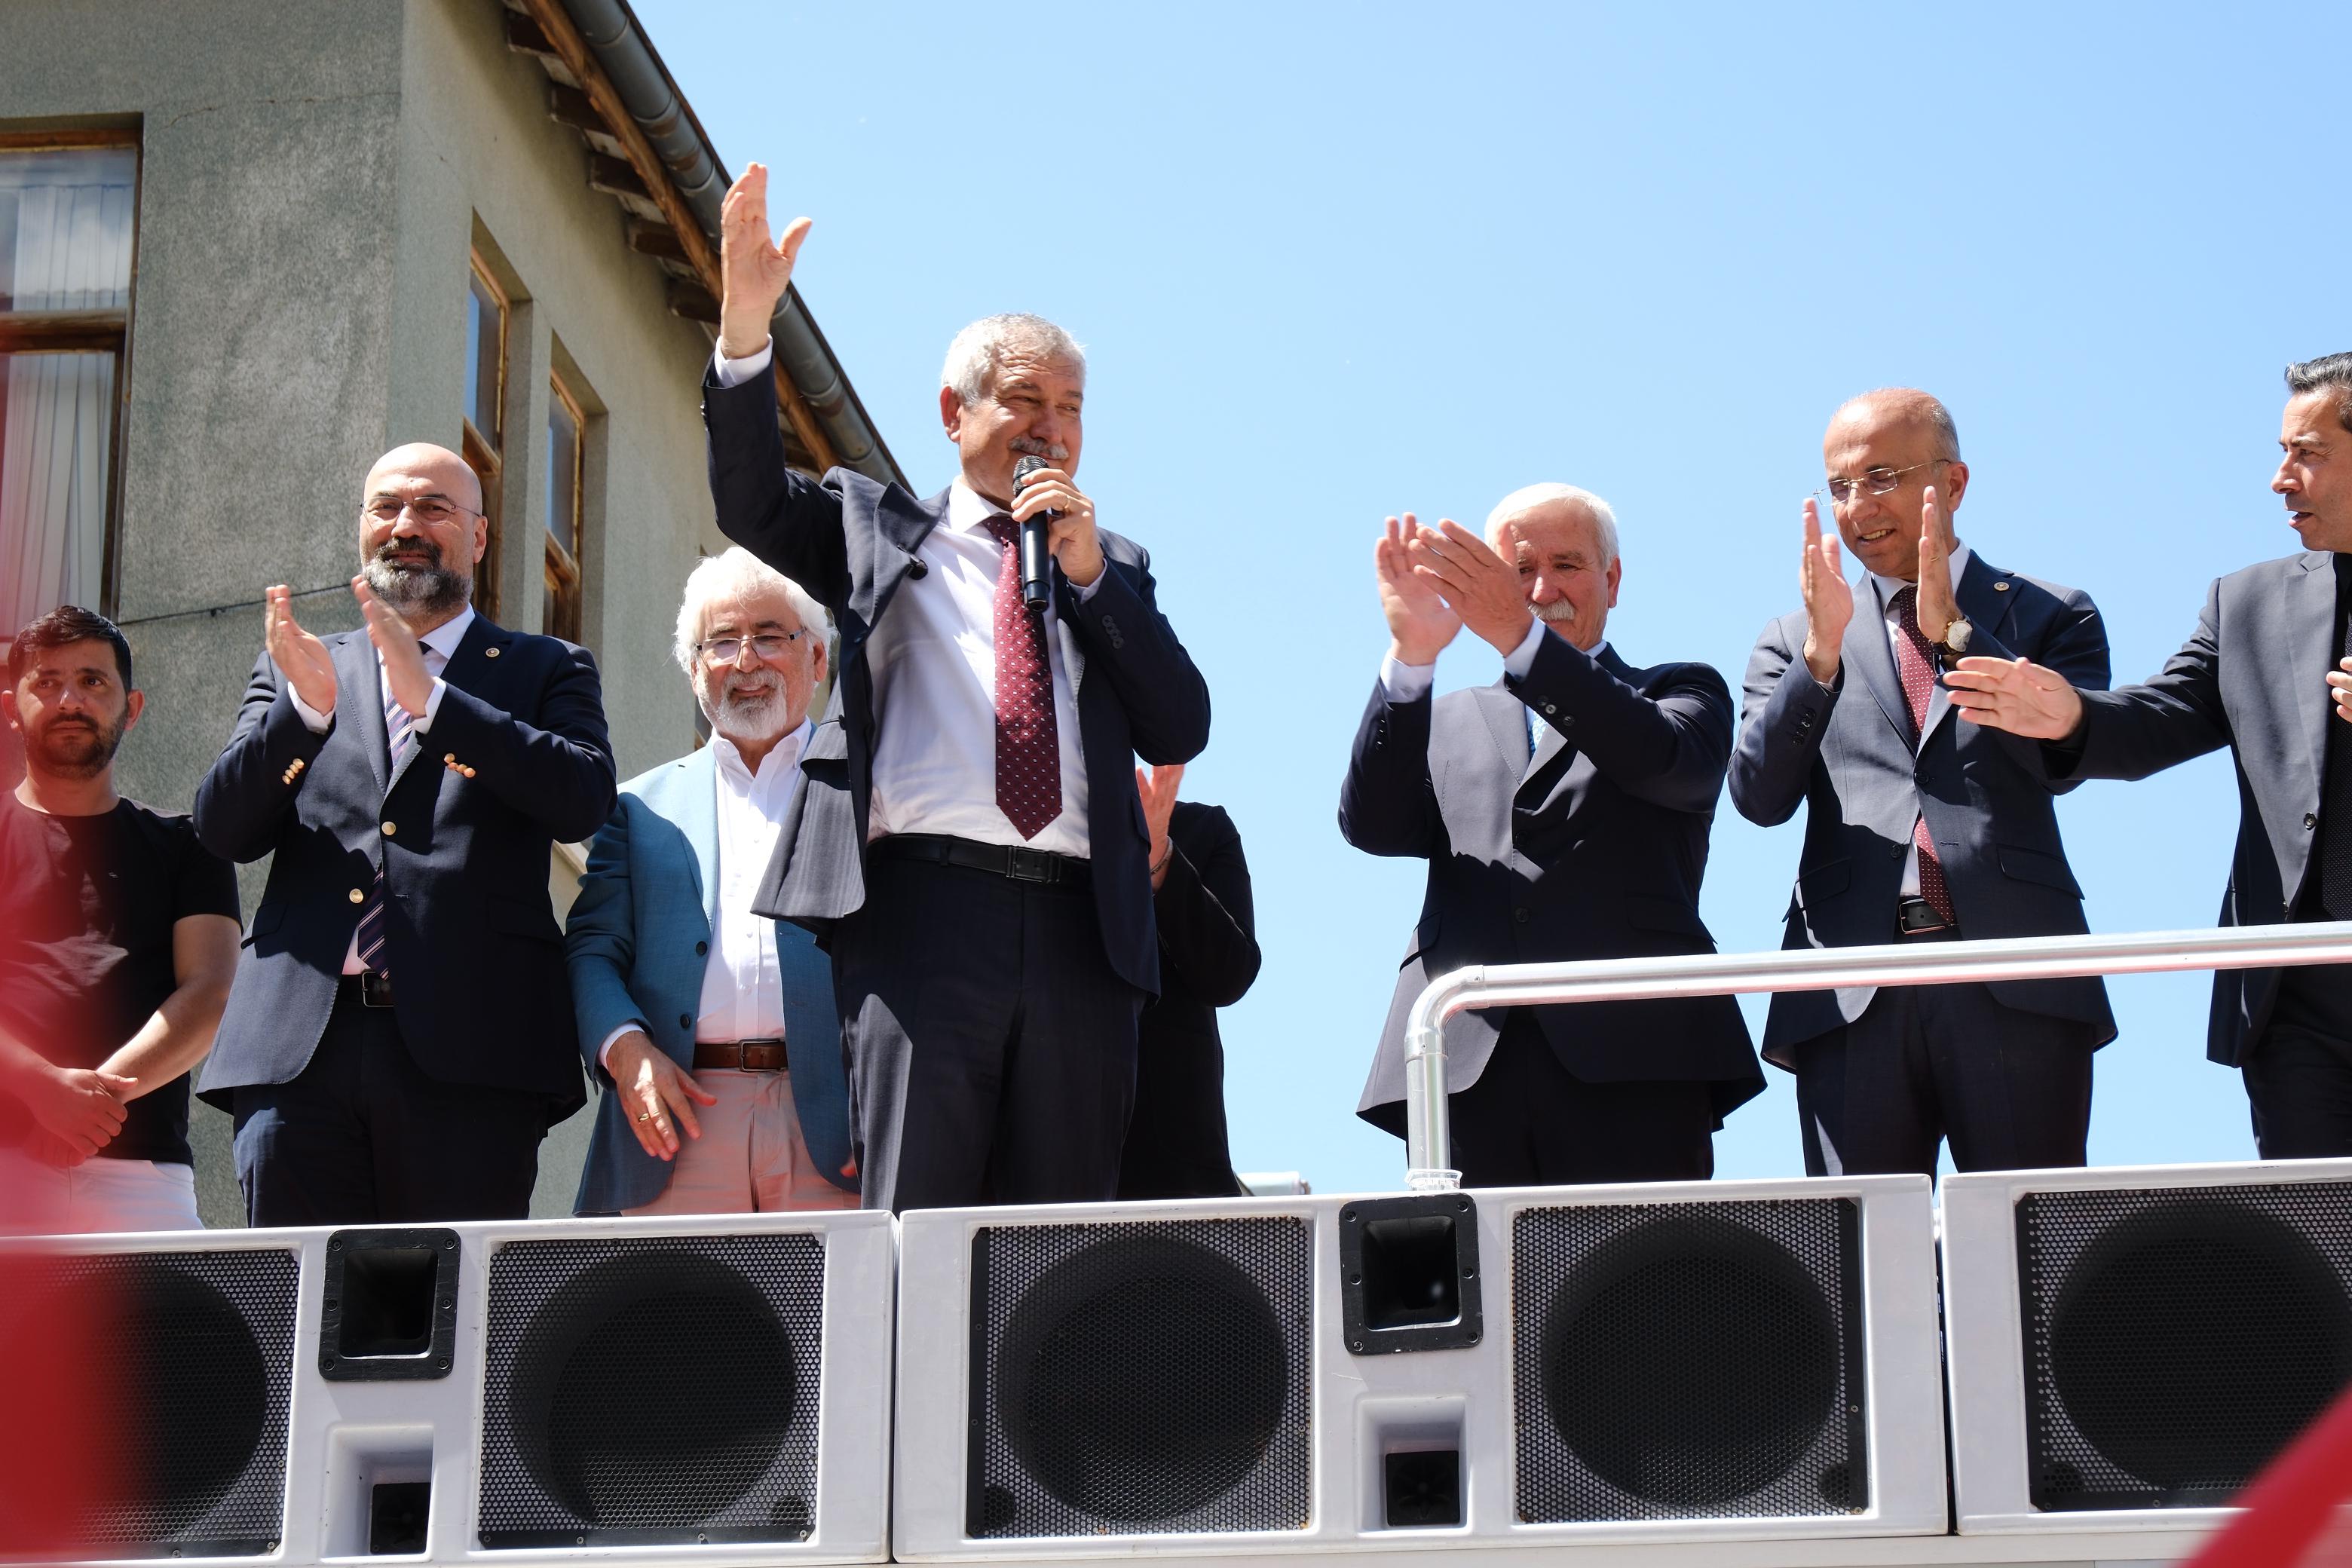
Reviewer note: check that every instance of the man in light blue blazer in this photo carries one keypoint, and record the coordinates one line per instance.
(711, 1030)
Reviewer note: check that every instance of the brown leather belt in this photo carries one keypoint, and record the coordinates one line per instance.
(741, 1055)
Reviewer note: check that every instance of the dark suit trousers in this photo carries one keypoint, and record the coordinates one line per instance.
(2012, 1090)
(991, 1047)
(2299, 1075)
(1528, 1122)
(362, 1136)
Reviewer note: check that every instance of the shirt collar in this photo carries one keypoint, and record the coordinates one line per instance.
(444, 638)
(968, 509)
(1888, 588)
(783, 756)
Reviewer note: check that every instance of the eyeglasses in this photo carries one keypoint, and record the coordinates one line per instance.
(767, 645)
(1877, 481)
(431, 511)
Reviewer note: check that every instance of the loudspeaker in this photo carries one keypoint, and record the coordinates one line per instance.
(184, 1349)
(2129, 1347)
(500, 1393)
(1684, 1362)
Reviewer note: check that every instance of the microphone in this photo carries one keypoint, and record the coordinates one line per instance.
(1036, 574)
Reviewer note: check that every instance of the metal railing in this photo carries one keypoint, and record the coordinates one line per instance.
(1428, 1138)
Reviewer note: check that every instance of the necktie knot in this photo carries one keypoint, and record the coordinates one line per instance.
(1002, 528)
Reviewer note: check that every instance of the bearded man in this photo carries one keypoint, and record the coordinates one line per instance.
(400, 1035)
(711, 1028)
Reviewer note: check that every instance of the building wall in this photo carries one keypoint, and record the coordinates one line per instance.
(314, 174)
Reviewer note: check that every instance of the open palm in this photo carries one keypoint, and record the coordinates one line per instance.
(1419, 619)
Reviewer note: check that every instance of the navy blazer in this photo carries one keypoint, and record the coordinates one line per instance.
(851, 542)
(637, 945)
(2250, 678)
(1845, 752)
(470, 937)
(1592, 844)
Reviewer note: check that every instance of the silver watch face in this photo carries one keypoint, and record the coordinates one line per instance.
(1956, 635)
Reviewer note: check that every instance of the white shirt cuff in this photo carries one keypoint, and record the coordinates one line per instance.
(1406, 682)
(1522, 659)
(736, 372)
(1089, 591)
(312, 720)
(431, 706)
(604, 1051)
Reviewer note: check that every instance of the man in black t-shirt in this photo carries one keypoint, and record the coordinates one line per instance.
(115, 959)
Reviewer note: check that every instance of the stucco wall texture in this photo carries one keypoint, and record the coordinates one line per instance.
(314, 175)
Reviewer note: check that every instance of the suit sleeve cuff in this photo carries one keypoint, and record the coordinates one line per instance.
(604, 1051)
(1406, 682)
(312, 720)
(736, 372)
(1522, 659)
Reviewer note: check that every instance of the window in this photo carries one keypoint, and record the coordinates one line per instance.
(67, 217)
(486, 390)
(564, 424)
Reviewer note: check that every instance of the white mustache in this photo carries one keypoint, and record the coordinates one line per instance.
(1030, 447)
(1559, 612)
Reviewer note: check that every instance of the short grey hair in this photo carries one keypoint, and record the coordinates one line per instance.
(978, 350)
(737, 571)
(1603, 515)
(2329, 373)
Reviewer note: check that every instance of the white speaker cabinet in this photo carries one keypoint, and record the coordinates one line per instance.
(1679, 1363)
(2129, 1346)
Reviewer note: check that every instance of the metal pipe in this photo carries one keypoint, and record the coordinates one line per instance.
(611, 32)
(1428, 1142)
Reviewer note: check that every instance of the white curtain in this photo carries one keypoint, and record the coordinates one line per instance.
(56, 418)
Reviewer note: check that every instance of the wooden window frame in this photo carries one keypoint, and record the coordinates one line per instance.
(486, 452)
(562, 564)
(90, 332)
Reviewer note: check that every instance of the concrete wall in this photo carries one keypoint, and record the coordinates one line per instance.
(314, 174)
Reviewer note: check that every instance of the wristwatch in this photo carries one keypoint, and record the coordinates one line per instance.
(1956, 633)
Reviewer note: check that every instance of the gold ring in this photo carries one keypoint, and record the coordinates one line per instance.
(645, 1116)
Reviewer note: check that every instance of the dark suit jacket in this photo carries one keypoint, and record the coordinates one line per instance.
(1592, 847)
(472, 945)
(1176, 1145)
(1988, 797)
(851, 542)
(2250, 678)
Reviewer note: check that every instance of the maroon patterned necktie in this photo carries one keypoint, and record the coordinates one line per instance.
(1918, 668)
(1028, 741)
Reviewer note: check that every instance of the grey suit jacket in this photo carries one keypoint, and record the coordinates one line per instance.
(1845, 752)
(2250, 678)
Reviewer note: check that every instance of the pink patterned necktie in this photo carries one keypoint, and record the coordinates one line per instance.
(1028, 740)
(1918, 668)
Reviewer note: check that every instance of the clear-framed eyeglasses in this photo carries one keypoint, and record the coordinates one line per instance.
(431, 511)
(1877, 481)
(766, 644)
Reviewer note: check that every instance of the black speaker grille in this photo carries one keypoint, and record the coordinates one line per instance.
(652, 1390)
(2177, 1338)
(1141, 1378)
(1688, 1361)
(199, 1365)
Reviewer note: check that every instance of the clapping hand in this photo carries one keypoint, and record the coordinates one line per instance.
(754, 270)
(301, 658)
(1829, 597)
(396, 646)
(1937, 608)
(1420, 623)
(1156, 787)
(1482, 588)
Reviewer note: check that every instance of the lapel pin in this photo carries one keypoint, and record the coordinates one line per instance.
(2000, 587)
(490, 653)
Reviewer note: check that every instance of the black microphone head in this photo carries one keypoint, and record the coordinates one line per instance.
(1028, 464)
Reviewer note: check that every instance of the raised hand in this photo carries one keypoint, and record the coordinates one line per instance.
(754, 270)
(1070, 535)
(2016, 695)
(657, 1094)
(302, 659)
(1482, 588)
(1937, 608)
(1829, 597)
(2339, 689)
(1156, 789)
(396, 646)
(1420, 623)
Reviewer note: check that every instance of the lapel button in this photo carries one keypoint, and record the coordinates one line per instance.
(2000, 587)
(490, 653)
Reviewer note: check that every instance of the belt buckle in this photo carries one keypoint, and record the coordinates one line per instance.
(1917, 916)
(1025, 865)
(375, 988)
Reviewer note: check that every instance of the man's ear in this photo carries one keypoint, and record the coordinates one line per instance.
(950, 413)
(1616, 575)
(133, 705)
(8, 708)
(817, 663)
(482, 538)
(1954, 486)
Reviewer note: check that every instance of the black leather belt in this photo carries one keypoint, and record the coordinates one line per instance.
(738, 1056)
(368, 988)
(1009, 860)
(1917, 916)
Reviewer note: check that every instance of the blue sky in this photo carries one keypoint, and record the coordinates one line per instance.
(1333, 262)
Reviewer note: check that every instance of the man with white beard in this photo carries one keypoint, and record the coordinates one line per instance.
(712, 1030)
(1564, 814)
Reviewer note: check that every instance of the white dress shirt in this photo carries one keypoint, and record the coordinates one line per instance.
(743, 990)
(1885, 588)
(436, 645)
(934, 663)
